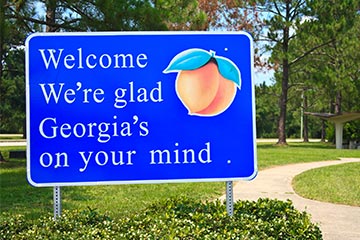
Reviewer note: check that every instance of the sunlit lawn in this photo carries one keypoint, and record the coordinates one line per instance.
(270, 155)
(337, 184)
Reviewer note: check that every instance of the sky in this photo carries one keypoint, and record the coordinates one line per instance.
(260, 77)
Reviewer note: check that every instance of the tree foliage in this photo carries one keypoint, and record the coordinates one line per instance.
(20, 18)
(266, 111)
(306, 61)
(312, 46)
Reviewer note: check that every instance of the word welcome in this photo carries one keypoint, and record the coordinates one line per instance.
(57, 57)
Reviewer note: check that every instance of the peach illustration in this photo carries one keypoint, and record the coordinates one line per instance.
(206, 84)
(223, 99)
(198, 88)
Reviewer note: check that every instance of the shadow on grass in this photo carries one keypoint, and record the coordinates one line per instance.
(317, 145)
(265, 145)
(12, 163)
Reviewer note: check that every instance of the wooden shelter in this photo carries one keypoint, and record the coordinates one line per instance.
(339, 120)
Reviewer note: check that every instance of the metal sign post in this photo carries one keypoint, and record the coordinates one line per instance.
(57, 202)
(229, 198)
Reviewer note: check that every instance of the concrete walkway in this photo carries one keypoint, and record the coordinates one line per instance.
(12, 143)
(336, 221)
(7, 141)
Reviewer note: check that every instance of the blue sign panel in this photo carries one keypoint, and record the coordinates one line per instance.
(139, 107)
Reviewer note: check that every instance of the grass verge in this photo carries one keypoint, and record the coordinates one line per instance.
(270, 155)
(336, 184)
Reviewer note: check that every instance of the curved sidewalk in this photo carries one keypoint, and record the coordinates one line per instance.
(336, 221)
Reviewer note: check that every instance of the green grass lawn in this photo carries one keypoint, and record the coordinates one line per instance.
(336, 184)
(270, 155)
(18, 197)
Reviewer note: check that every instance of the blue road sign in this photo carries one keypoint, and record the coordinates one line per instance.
(139, 107)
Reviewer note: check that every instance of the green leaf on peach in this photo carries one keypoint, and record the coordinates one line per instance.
(229, 70)
(190, 59)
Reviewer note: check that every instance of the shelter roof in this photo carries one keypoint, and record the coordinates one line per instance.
(340, 118)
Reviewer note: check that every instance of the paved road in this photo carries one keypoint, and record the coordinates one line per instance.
(336, 221)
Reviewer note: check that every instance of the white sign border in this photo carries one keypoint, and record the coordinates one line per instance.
(138, 33)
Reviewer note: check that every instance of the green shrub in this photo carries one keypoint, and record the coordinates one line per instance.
(87, 224)
(180, 218)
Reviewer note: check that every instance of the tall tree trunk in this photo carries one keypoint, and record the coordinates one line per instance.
(50, 15)
(2, 33)
(2, 27)
(283, 104)
(305, 122)
(284, 86)
(338, 102)
(323, 130)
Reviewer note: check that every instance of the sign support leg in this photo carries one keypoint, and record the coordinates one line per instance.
(229, 198)
(57, 202)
